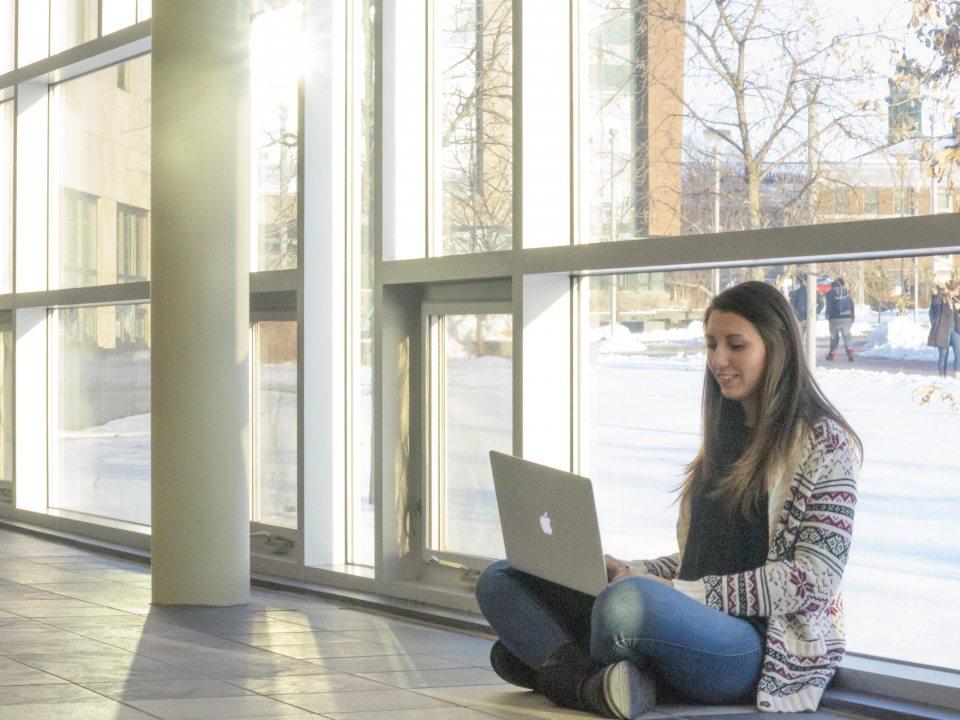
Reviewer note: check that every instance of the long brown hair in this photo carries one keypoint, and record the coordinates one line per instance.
(789, 402)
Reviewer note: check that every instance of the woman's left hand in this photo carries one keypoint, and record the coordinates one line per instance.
(636, 571)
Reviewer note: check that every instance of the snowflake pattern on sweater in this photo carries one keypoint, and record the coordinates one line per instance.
(797, 589)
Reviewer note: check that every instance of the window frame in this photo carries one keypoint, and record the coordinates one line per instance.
(287, 532)
(433, 319)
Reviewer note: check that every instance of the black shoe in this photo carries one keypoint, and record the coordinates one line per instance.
(511, 668)
(626, 691)
(573, 680)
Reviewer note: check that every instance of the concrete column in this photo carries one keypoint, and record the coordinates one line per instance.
(200, 302)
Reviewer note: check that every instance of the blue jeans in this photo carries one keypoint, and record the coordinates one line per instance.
(706, 655)
(944, 353)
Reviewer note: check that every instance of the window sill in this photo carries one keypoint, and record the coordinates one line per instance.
(899, 681)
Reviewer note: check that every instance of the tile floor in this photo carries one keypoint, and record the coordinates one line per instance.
(80, 641)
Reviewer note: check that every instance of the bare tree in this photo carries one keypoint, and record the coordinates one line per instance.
(937, 25)
(278, 210)
(784, 91)
(477, 125)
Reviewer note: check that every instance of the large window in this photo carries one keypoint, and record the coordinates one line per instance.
(275, 423)
(72, 22)
(79, 250)
(646, 365)
(118, 14)
(6, 409)
(133, 244)
(474, 126)
(7, 34)
(100, 429)
(100, 177)
(6, 196)
(276, 61)
(472, 410)
(698, 117)
(361, 547)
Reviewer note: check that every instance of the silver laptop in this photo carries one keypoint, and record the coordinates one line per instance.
(549, 523)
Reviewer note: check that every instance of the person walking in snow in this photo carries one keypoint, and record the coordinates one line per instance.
(798, 301)
(945, 327)
(750, 605)
(840, 315)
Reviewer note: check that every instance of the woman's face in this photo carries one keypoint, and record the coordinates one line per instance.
(736, 357)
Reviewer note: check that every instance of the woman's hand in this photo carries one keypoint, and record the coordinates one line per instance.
(665, 581)
(618, 570)
(615, 568)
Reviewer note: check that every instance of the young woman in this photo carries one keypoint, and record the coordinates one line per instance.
(749, 608)
(945, 327)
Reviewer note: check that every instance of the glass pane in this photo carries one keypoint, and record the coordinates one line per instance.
(100, 177)
(477, 391)
(664, 150)
(475, 117)
(361, 510)
(7, 25)
(118, 14)
(6, 416)
(645, 385)
(276, 65)
(100, 454)
(6, 196)
(72, 22)
(144, 10)
(276, 423)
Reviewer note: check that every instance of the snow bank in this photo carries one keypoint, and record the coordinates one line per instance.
(899, 338)
(625, 342)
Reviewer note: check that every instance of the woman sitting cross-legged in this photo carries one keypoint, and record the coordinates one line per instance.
(750, 606)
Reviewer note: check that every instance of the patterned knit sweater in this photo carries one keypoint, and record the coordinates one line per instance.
(811, 506)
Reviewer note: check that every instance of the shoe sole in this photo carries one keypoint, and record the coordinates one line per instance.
(628, 691)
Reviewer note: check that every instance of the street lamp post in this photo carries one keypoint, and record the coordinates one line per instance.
(715, 137)
(613, 231)
(811, 280)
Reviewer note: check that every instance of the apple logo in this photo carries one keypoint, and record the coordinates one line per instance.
(545, 524)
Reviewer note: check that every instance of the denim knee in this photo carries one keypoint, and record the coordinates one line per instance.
(621, 610)
(489, 585)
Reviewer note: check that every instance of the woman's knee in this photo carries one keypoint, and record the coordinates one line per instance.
(490, 584)
(624, 608)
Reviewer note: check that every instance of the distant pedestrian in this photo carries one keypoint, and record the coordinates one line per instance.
(945, 327)
(798, 301)
(840, 315)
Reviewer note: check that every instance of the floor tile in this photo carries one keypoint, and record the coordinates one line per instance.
(60, 692)
(219, 707)
(436, 678)
(165, 689)
(281, 667)
(451, 713)
(298, 637)
(333, 619)
(14, 673)
(103, 668)
(387, 663)
(334, 682)
(87, 710)
(380, 701)
(549, 711)
(333, 650)
(484, 695)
